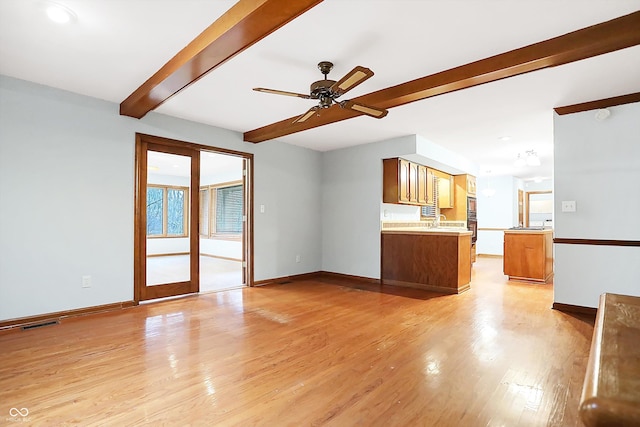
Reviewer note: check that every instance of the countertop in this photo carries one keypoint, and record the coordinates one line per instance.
(432, 231)
(529, 230)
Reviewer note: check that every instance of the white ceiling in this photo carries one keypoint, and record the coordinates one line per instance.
(115, 45)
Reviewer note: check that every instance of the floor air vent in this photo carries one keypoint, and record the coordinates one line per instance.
(40, 325)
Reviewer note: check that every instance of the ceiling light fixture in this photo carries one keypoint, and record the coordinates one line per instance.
(529, 158)
(532, 158)
(60, 14)
(602, 114)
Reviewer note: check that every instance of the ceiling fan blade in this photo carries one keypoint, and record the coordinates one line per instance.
(351, 80)
(306, 116)
(376, 112)
(281, 92)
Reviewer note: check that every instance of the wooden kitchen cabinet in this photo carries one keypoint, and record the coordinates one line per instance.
(528, 254)
(458, 210)
(471, 185)
(445, 190)
(423, 196)
(426, 193)
(430, 260)
(406, 182)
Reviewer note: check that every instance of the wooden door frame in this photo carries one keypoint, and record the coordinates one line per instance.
(171, 145)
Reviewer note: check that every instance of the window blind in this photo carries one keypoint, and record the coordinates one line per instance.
(229, 210)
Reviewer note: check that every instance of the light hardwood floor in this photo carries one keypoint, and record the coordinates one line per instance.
(323, 352)
(216, 274)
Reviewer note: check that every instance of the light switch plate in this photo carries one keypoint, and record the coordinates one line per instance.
(568, 206)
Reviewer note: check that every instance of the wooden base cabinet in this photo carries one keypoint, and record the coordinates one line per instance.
(528, 255)
(433, 261)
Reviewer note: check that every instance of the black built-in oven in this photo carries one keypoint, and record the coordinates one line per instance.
(472, 219)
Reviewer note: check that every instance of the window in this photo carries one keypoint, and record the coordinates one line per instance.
(167, 211)
(221, 208)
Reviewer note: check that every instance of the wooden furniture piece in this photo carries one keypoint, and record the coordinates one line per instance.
(432, 260)
(611, 391)
(406, 182)
(528, 254)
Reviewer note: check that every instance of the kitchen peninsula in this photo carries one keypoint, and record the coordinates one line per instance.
(434, 259)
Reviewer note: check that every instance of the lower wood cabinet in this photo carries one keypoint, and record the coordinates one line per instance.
(434, 261)
(528, 254)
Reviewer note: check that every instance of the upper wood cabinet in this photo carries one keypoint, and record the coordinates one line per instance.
(471, 185)
(458, 209)
(406, 182)
(430, 185)
(425, 186)
(445, 189)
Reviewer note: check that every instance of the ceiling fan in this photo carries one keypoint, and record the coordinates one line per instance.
(328, 91)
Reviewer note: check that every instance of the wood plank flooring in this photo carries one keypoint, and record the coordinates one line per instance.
(324, 352)
(215, 274)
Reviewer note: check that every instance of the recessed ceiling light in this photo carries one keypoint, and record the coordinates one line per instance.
(60, 14)
(504, 138)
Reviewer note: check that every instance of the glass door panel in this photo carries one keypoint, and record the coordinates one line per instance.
(168, 225)
(166, 197)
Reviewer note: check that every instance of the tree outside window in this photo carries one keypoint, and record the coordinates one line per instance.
(166, 211)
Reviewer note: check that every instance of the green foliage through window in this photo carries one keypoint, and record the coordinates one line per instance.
(166, 213)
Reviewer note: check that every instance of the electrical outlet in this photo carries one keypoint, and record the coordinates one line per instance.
(261, 208)
(298, 258)
(86, 281)
(568, 206)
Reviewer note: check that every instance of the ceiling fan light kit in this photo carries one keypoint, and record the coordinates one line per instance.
(328, 91)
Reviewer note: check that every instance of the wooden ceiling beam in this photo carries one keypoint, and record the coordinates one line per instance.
(585, 43)
(246, 23)
(600, 103)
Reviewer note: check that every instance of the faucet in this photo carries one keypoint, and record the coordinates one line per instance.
(436, 223)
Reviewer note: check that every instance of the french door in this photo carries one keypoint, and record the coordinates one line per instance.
(168, 245)
(166, 217)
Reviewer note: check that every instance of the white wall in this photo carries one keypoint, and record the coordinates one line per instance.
(66, 199)
(597, 165)
(499, 211)
(351, 205)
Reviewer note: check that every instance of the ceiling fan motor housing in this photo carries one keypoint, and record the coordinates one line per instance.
(321, 89)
